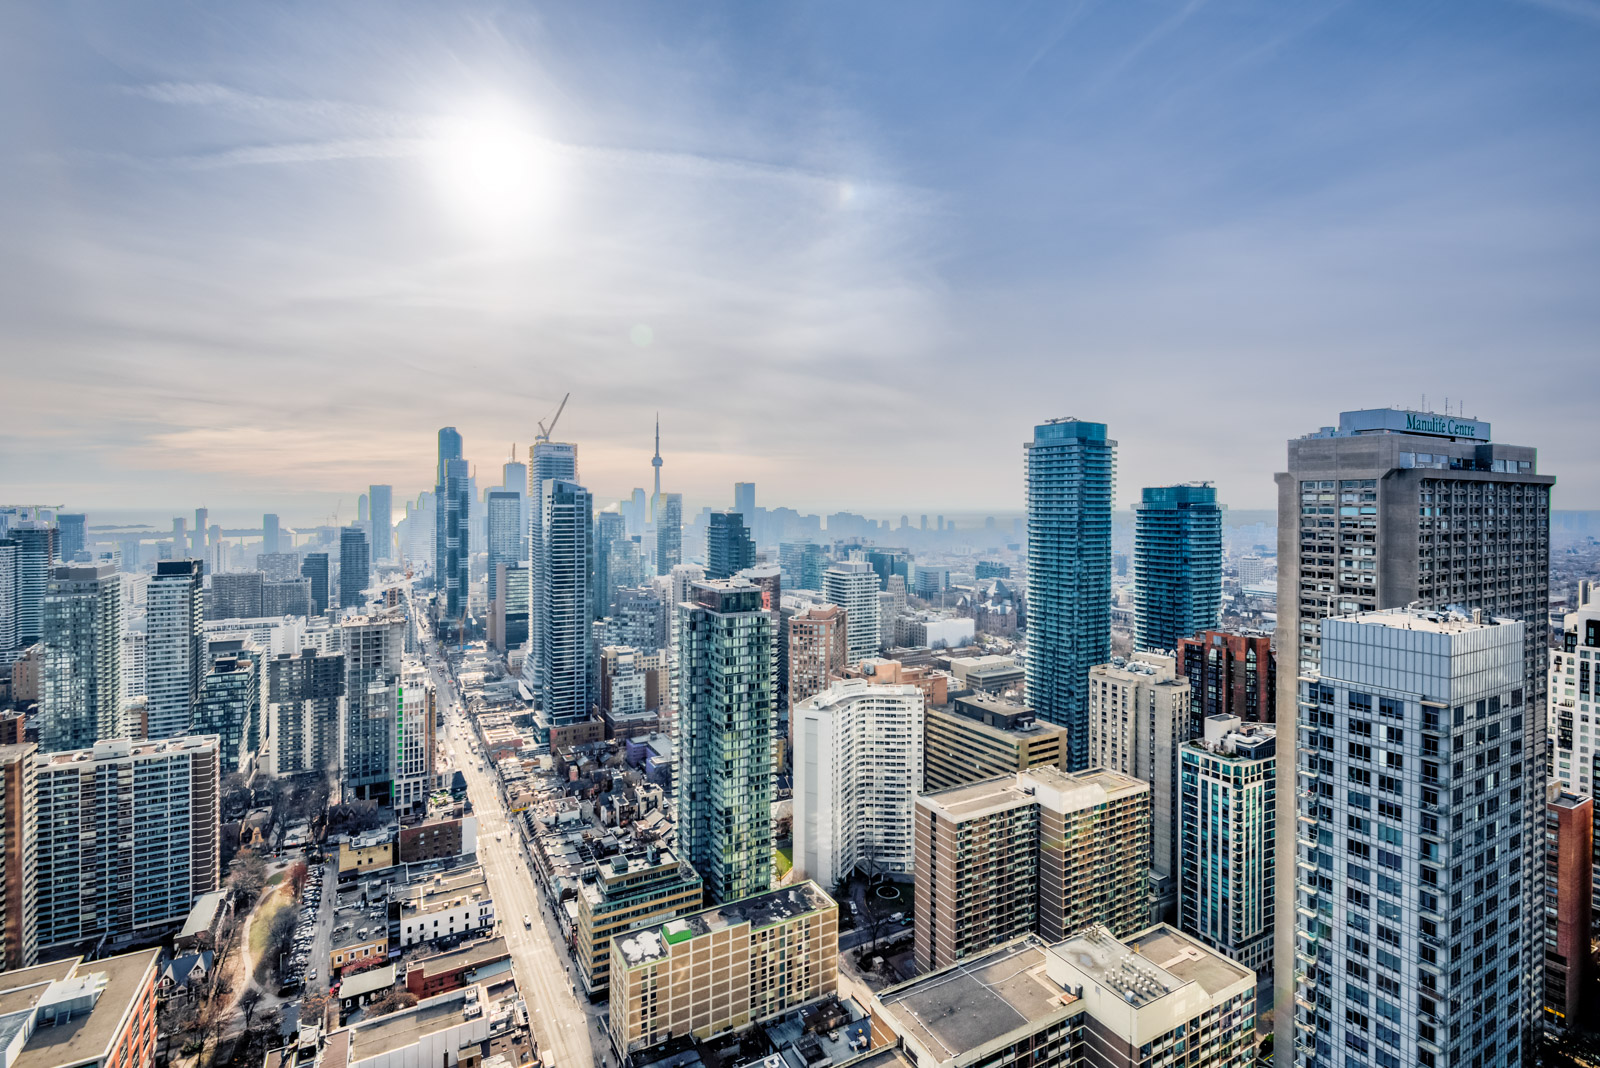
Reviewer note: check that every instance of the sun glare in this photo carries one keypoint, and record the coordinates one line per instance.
(494, 168)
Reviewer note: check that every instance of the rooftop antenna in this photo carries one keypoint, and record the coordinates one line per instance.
(545, 432)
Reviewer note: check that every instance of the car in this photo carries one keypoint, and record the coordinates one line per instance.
(527, 921)
(853, 908)
(312, 974)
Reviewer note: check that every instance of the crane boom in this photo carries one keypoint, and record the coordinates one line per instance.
(544, 434)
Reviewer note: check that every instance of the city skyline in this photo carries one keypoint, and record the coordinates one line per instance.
(769, 203)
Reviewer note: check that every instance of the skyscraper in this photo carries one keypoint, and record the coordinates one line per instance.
(373, 646)
(36, 548)
(304, 702)
(610, 531)
(8, 599)
(505, 532)
(1177, 564)
(19, 876)
(726, 702)
(744, 502)
(1231, 673)
(235, 595)
(1388, 508)
(547, 461)
(175, 653)
(565, 534)
(228, 707)
(355, 566)
(270, 542)
(514, 477)
(853, 586)
(315, 568)
(1412, 932)
(380, 509)
(1071, 469)
(728, 545)
(80, 688)
(70, 537)
(451, 541)
(669, 532)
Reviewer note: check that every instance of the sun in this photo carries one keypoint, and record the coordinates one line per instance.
(493, 168)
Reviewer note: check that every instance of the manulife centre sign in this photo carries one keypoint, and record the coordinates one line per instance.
(1398, 420)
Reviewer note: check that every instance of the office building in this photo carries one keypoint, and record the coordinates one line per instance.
(235, 595)
(1231, 673)
(452, 543)
(304, 705)
(285, 597)
(1227, 814)
(80, 688)
(1155, 998)
(979, 736)
(1071, 467)
(380, 522)
(1377, 513)
(931, 582)
(415, 775)
(669, 532)
(639, 888)
(1569, 890)
(857, 774)
(271, 539)
(175, 648)
(70, 537)
(355, 567)
(723, 967)
(1044, 850)
(853, 586)
(127, 839)
(729, 549)
(726, 705)
(744, 502)
(1138, 719)
(1177, 564)
(563, 547)
(315, 570)
(19, 878)
(373, 646)
(1410, 858)
(229, 704)
(505, 534)
(77, 1013)
(610, 532)
(35, 552)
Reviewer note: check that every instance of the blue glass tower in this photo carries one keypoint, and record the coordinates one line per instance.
(1177, 564)
(1071, 476)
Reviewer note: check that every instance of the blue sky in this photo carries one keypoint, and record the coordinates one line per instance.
(256, 254)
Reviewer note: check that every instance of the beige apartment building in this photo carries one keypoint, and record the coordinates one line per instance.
(723, 968)
(629, 891)
(979, 736)
(1043, 850)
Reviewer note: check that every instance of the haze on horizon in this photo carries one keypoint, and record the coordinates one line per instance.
(255, 256)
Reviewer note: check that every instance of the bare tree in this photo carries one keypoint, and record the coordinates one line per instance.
(248, 1001)
(390, 1001)
(247, 874)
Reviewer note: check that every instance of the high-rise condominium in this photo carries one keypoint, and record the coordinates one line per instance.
(235, 595)
(1177, 563)
(1569, 871)
(669, 532)
(315, 569)
(817, 650)
(728, 545)
(380, 508)
(19, 856)
(355, 566)
(1574, 688)
(451, 541)
(35, 549)
(1389, 508)
(175, 654)
(127, 838)
(505, 534)
(1228, 804)
(514, 477)
(853, 585)
(1071, 469)
(8, 599)
(857, 773)
(70, 537)
(304, 702)
(1231, 673)
(80, 688)
(373, 646)
(610, 532)
(726, 700)
(547, 462)
(563, 634)
(1414, 942)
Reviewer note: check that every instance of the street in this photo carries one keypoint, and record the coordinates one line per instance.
(566, 1025)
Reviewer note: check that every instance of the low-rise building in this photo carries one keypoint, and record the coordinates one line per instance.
(645, 886)
(481, 961)
(438, 839)
(723, 968)
(979, 736)
(372, 851)
(74, 1013)
(445, 905)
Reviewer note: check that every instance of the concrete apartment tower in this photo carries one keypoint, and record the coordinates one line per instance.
(1574, 682)
(373, 648)
(853, 585)
(80, 699)
(1177, 564)
(1386, 509)
(175, 653)
(19, 878)
(1071, 472)
(725, 695)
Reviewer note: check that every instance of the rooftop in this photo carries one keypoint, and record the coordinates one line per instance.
(83, 1034)
(1429, 621)
(955, 1010)
(374, 1038)
(470, 955)
(759, 910)
(1150, 965)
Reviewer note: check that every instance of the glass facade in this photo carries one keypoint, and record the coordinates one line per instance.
(1177, 561)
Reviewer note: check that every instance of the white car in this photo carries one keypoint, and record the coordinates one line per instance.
(527, 921)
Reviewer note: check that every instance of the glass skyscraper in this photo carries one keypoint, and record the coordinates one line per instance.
(1177, 564)
(1071, 471)
(380, 513)
(547, 460)
(729, 549)
(355, 566)
(563, 632)
(451, 542)
(669, 532)
(505, 534)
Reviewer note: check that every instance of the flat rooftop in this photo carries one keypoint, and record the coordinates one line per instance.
(1433, 622)
(86, 1037)
(954, 1011)
(978, 799)
(374, 1038)
(759, 910)
(1150, 965)
(467, 956)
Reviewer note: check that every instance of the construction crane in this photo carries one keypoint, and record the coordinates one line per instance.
(545, 432)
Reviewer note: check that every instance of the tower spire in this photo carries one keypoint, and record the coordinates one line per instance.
(655, 462)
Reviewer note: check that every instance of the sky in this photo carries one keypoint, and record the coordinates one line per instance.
(253, 255)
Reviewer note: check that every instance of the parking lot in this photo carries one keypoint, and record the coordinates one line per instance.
(308, 955)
